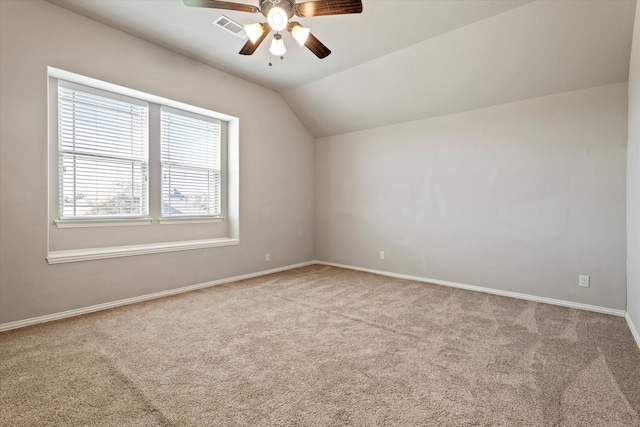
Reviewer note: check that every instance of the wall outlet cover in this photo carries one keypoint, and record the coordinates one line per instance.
(583, 281)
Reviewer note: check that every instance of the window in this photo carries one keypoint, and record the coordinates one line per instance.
(118, 157)
(190, 156)
(103, 146)
(102, 154)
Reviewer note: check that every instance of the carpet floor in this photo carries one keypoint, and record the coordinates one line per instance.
(324, 346)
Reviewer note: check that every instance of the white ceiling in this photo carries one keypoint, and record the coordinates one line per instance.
(402, 60)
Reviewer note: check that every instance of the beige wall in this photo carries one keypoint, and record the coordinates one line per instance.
(633, 185)
(276, 164)
(520, 197)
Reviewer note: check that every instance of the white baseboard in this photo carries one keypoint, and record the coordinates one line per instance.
(517, 295)
(634, 330)
(106, 306)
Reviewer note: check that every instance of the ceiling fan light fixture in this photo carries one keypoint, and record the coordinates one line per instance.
(300, 34)
(277, 46)
(254, 31)
(277, 18)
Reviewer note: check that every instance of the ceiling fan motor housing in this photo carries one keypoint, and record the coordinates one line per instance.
(289, 6)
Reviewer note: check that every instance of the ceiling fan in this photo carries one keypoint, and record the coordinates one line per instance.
(279, 14)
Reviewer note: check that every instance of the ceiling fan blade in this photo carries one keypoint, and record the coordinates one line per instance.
(249, 47)
(317, 47)
(312, 43)
(214, 4)
(328, 7)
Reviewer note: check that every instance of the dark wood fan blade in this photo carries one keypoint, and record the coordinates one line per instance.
(328, 7)
(312, 43)
(249, 47)
(214, 4)
(316, 46)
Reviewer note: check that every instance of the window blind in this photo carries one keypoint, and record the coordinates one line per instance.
(190, 157)
(103, 157)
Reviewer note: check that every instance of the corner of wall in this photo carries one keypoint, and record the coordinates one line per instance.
(634, 330)
(633, 186)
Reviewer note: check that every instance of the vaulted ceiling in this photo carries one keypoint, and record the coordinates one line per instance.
(402, 60)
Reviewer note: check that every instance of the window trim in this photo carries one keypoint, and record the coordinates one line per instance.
(190, 219)
(110, 222)
(91, 254)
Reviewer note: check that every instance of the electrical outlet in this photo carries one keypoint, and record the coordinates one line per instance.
(583, 281)
(381, 254)
(267, 257)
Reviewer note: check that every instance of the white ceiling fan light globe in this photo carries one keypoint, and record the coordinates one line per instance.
(300, 34)
(277, 46)
(254, 31)
(277, 18)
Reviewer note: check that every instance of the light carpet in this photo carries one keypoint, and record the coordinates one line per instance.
(324, 346)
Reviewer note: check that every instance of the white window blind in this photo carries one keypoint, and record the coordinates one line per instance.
(103, 155)
(190, 157)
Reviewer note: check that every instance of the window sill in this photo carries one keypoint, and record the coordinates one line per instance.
(77, 255)
(86, 223)
(190, 220)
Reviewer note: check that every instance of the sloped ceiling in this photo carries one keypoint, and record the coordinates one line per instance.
(541, 48)
(403, 60)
